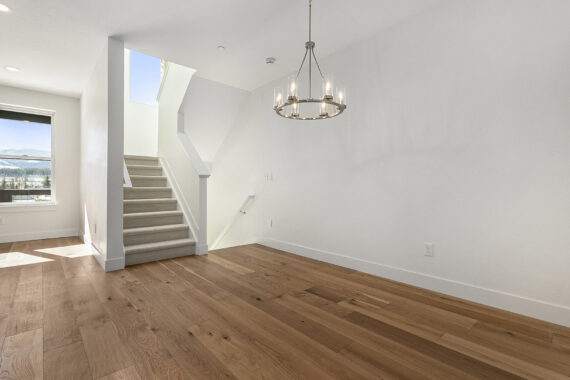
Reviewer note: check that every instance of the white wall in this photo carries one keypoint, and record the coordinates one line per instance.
(456, 133)
(141, 121)
(39, 222)
(102, 157)
(179, 167)
(210, 110)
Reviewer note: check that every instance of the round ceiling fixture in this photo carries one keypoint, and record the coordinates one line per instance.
(292, 106)
(12, 68)
(4, 8)
(221, 48)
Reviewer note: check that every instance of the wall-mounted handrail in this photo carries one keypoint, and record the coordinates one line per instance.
(241, 211)
(246, 204)
(126, 177)
(164, 67)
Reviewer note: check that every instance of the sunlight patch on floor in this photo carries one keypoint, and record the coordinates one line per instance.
(70, 251)
(14, 259)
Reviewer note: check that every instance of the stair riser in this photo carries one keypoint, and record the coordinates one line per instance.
(151, 221)
(155, 237)
(148, 207)
(134, 193)
(145, 171)
(145, 257)
(149, 182)
(137, 161)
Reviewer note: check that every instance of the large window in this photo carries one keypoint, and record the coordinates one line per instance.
(145, 79)
(25, 157)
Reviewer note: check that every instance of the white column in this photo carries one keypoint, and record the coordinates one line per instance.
(202, 243)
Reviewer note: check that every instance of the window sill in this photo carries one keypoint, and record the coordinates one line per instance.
(31, 207)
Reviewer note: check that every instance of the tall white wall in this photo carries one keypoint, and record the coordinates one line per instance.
(141, 121)
(456, 133)
(61, 219)
(210, 110)
(175, 159)
(102, 118)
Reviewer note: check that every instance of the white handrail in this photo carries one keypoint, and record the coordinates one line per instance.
(126, 177)
(242, 211)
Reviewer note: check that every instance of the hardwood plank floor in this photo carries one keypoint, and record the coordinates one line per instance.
(250, 312)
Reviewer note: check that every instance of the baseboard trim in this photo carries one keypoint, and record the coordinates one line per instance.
(37, 235)
(534, 308)
(107, 265)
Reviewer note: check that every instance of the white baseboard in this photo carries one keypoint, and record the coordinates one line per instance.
(108, 265)
(518, 304)
(37, 235)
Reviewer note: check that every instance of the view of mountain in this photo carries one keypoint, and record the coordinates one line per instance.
(24, 164)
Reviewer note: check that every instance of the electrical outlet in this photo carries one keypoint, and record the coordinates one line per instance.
(429, 252)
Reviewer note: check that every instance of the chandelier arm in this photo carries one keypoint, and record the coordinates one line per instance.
(317, 62)
(302, 63)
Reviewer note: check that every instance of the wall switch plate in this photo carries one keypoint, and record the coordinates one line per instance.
(429, 252)
(270, 223)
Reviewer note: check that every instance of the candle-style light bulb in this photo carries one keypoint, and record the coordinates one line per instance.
(341, 95)
(295, 112)
(328, 88)
(323, 109)
(292, 88)
(277, 97)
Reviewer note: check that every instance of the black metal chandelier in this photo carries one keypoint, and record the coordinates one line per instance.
(331, 103)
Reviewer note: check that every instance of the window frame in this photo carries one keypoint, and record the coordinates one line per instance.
(52, 115)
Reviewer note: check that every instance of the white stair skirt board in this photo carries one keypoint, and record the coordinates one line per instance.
(546, 311)
(107, 265)
(154, 227)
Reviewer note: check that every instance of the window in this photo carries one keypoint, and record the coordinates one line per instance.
(145, 78)
(25, 156)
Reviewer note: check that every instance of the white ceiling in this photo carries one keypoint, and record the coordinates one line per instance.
(55, 43)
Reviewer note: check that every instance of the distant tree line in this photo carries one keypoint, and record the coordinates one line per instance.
(27, 172)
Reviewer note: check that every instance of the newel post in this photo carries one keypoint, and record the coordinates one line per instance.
(202, 243)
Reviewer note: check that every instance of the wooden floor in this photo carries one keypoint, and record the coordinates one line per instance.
(250, 313)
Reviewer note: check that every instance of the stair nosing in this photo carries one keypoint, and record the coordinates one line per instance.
(152, 213)
(157, 246)
(150, 200)
(147, 176)
(135, 157)
(161, 228)
(144, 166)
(148, 188)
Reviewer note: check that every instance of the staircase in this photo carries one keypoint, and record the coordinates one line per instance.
(153, 226)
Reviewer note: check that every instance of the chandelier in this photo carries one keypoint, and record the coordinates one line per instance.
(332, 100)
